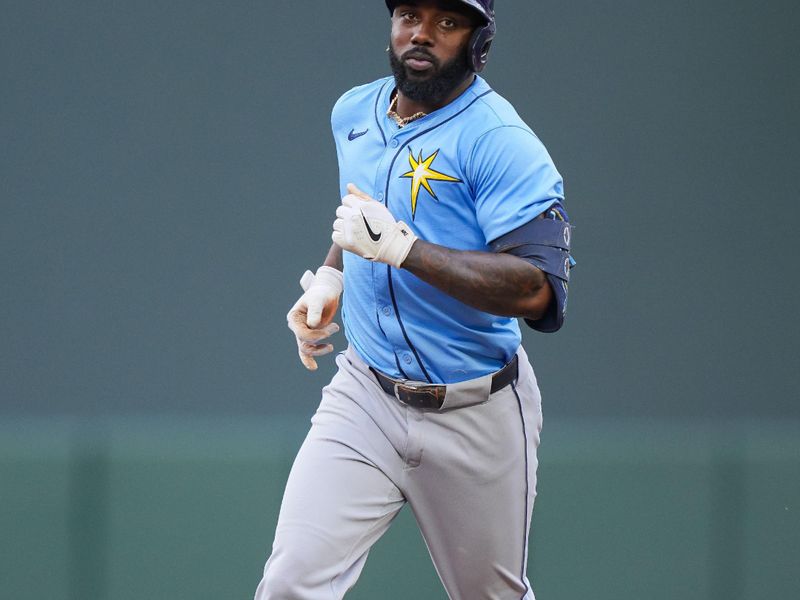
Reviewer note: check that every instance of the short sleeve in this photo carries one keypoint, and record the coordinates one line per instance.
(513, 179)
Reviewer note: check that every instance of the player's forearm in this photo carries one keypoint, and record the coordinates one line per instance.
(334, 258)
(500, 284)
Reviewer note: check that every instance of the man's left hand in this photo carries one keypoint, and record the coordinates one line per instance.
(365, 227)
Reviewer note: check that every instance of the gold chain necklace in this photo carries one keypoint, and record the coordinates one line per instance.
(402, 121)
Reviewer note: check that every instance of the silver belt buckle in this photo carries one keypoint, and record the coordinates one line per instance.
(403, 383)
(430, 390)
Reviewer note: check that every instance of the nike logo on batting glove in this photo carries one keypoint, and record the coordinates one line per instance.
(376, 237)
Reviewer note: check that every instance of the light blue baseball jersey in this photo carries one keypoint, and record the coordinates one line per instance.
(460, 177)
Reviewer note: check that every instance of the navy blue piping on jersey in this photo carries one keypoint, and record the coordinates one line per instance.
(399, 368)
(386, 203)
(403, 327)
(378, 321)
(377, 120)
(527, 489)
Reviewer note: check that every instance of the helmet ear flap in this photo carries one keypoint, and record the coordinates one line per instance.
(479, 46)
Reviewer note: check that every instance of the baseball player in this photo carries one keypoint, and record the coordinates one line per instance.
(451, 226)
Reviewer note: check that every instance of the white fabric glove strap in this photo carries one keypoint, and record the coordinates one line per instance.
(397, 245)
(329, 277)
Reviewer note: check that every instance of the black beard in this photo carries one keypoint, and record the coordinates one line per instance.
(434, 87)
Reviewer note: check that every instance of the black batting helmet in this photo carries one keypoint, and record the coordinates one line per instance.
(482, 37)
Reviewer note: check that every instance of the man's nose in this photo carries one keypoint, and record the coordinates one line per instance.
(422, 34)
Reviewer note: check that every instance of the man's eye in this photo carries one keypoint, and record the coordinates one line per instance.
(448, 24)
(408, 15)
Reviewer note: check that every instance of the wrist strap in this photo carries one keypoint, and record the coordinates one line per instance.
(330, 276)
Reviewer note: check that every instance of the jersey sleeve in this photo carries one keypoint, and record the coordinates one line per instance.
(513, 179)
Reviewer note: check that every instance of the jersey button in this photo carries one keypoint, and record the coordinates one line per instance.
(395, 143)
(387, 311)
(407, 359)
(380, 196)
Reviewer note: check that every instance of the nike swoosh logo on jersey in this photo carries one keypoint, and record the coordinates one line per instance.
(356, 134)
(376, 237)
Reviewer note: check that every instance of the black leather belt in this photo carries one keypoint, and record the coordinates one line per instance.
(431, 396)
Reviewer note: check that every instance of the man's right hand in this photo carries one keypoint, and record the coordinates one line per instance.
(310, 319)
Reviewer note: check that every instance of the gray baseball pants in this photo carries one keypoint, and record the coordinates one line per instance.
(468, 471)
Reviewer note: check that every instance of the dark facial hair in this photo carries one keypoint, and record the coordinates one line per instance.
(430, 88)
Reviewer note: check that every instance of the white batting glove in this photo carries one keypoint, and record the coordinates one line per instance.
(366, 227)
(310, 317)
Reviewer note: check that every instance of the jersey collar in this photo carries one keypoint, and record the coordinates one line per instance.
(478, 87)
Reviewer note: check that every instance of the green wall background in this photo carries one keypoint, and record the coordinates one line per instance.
(167, 174)
(158, 508)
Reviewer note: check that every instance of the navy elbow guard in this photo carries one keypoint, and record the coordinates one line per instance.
(545, 243)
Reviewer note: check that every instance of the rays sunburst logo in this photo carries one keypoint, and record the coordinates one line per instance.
(421, 174)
